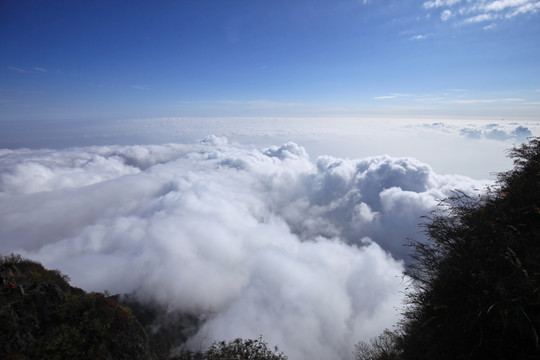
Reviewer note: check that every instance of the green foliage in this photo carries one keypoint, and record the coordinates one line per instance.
(166, 329)
(250, 349)
(49, 319)
(477, 280)
(12, 259)
(33, 271)
(85, 328)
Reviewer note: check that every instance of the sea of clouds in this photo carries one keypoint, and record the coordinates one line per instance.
(308, 253)
(474, 148)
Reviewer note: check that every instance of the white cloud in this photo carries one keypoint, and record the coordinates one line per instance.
(483, 10)
(418, 37)
(141, 87)
(526, 8)
(17, 69)
(500, 5)
(487, 101)
(394, 95)
(258, 241)
(480, 18)
(21, 70)
(492, 131)
(439, 3)
(446, 14)
(258, 103)
(522, 133)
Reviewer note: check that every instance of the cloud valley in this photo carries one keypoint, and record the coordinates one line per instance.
(256, 241)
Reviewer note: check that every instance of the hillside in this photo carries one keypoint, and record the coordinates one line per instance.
(43, 317)
(475, 290)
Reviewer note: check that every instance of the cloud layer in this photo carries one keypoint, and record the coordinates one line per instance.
(492, 131)
(255, 241)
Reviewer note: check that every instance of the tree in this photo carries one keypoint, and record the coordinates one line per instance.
(249, 349)
(476, 280)
(49, 319)
(382, 347)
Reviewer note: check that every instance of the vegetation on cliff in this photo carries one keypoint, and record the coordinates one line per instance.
(476, 281)
(43, 317)
(250, 349)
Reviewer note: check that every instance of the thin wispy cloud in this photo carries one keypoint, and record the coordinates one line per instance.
(472, 12)
(24, 71)
(440, 3)
(258, 103)
(141, 87)
(429, 99)
(480, 18)
(393, 95)
(486, 101)
(457, 96)
(17, 69)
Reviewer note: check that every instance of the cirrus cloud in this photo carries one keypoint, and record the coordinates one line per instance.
(479, 11)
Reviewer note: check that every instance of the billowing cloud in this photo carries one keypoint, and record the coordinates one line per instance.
(521, 133)
(496, 134)
(493, 131)
(308, 254)
(471, 133)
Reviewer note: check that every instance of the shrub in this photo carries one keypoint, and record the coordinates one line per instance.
(477, 279)
(250, 349)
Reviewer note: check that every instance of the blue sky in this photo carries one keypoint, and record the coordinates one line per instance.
(124, 59)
